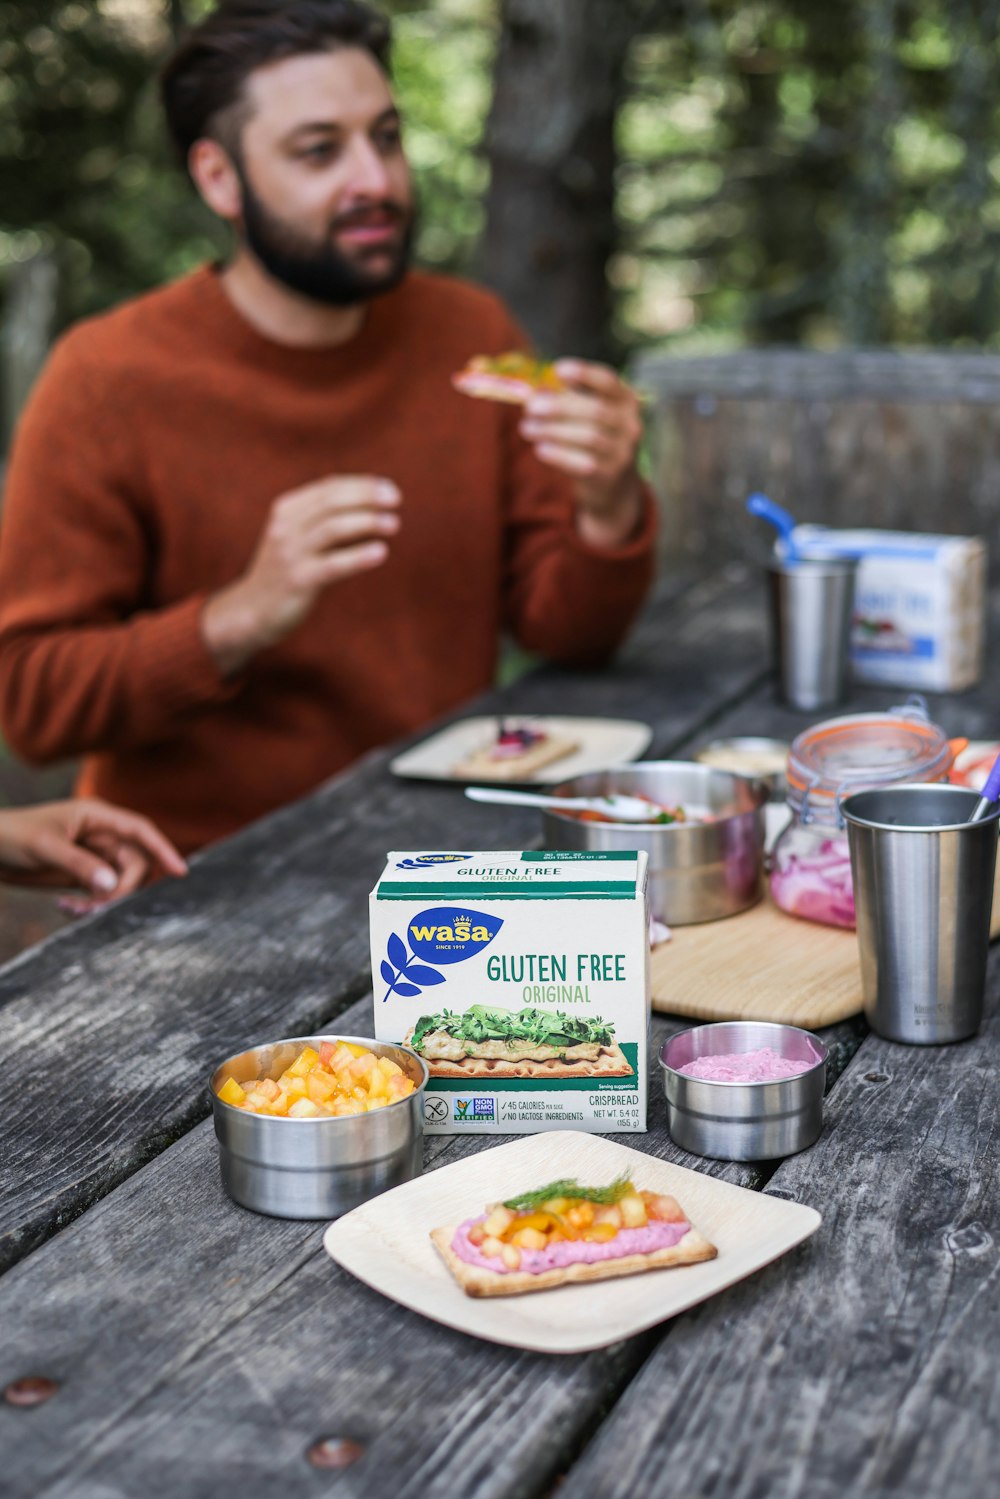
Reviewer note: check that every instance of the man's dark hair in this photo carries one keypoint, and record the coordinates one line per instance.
(202, 83)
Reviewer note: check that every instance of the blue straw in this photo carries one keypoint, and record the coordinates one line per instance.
(766, 509)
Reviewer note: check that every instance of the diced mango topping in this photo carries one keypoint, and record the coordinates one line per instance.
(340, 1078)
(231, 1092)
(503, 1234)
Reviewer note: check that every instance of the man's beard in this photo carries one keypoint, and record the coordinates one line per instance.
(318, 270)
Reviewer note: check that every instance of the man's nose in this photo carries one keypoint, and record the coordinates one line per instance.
(369, 176)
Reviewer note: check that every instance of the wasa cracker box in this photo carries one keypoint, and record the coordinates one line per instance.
(522, 979)
(919, 607)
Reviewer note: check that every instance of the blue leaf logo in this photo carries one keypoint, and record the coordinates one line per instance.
(402, 974)
(442, 934)
(427, 861)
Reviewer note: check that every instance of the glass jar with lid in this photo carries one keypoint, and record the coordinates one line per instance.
(810, 870)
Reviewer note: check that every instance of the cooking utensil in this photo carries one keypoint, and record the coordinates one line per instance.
(750, 755)
(744, 1121)
(618, 808)
(702, 869)
(316, 1168)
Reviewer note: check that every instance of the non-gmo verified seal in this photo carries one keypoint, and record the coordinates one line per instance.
(475, 1110)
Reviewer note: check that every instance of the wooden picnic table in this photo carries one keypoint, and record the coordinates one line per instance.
(197, 1349)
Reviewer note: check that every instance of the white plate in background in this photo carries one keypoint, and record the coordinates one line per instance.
(603, 742)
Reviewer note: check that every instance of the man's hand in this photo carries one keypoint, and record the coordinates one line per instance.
(591, 432)
(83, 843)
(314, 536)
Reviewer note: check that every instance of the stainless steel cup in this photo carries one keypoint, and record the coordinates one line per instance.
(316, 1168)
(744, 1121)
(923, 891)
(811, 606)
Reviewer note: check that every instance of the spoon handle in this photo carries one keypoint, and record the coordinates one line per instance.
(513, 798)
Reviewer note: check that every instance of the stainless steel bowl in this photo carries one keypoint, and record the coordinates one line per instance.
(744, 1121)
(316, 1168)
(749, 755)
(697, 871)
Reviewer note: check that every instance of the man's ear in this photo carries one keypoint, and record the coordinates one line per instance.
(216, 179)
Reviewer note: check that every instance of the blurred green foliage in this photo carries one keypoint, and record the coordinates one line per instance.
(87, 171)
(792, 170)
(796, 171)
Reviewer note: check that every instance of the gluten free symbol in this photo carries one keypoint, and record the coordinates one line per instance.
(435, 1110)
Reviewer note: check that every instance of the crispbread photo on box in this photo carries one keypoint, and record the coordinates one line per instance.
(522, 980)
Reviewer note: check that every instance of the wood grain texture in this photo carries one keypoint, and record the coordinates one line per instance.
(903, 441)
(199, 1345)
(764, 965)
(113, 1027)
(865, 1364)
(759, 965)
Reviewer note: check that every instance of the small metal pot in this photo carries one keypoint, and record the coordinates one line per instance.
(749, 755)
(744, 1121)
(697, 871)
(316, 1168)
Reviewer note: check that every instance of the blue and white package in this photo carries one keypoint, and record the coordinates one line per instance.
(522, 980)
(920, 605)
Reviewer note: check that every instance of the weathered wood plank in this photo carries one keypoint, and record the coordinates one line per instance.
(268, 935)
(198, 1345)
(866, 1364)
(855, 438)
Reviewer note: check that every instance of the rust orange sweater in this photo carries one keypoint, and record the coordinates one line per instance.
(142, 474)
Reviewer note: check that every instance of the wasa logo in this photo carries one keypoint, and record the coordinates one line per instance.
(441, 934)
(427, 861)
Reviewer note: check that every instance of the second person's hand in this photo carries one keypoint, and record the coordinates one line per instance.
(314, 536)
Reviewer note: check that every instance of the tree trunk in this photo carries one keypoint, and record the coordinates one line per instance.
(550, 226)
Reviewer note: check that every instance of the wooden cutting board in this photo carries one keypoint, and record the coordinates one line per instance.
(762, 965)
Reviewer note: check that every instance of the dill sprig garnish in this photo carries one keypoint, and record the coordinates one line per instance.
(567, 1187)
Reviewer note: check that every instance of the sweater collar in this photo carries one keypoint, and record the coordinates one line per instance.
(247, 343)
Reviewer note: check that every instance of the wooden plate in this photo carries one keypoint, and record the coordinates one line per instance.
(386, 1243)
(602, 742)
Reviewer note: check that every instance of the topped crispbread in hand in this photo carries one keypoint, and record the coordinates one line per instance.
(513, 377)
(565, 1232)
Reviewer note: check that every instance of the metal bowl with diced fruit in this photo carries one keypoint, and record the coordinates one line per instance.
(311, 1126)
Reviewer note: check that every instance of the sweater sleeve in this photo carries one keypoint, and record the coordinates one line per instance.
(563, 598)
(86, 662)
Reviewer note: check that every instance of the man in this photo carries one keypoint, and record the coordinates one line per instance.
(251, 530)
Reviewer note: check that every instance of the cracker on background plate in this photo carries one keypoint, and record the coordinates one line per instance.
(480, 766)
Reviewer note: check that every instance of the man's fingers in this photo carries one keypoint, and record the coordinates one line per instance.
(331, 567)
(594, 440)
(349, 526)
(571, 460)
(345, 492)
(599, 378)
(573, 405)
